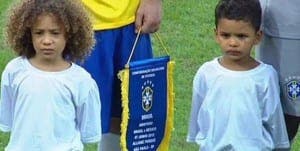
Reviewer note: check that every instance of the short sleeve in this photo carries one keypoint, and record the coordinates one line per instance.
(198, 95)
(6, 102)
(273, 119)
(89, 115)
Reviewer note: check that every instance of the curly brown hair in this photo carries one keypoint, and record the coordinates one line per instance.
(71, 13)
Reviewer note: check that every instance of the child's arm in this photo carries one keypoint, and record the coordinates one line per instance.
(6, 103)
(273, 119)
(275, 124)
(199, 90)
(89, 115)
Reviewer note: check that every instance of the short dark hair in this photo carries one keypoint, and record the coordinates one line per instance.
(244, 10)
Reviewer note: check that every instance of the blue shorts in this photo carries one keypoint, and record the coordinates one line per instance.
(110, 54)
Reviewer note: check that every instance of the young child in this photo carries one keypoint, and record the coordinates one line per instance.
(48, 102)
(236, 103)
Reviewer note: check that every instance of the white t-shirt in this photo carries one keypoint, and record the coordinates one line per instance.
(48, 111)
(236, 110)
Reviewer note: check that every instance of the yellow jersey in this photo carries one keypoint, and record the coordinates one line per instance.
(108, 14)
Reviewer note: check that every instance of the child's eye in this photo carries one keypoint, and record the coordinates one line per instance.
(37, 32)
(225, 35)
(242, 36)
(56, 32)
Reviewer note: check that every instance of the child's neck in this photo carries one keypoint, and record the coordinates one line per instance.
(50, 66)
(238, 65)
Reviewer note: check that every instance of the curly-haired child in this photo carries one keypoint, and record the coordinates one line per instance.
(48, 102)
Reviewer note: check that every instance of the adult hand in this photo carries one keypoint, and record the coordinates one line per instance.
(148, 16)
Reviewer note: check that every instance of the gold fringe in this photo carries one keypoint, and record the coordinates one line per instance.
(124, 77)
(164, 146)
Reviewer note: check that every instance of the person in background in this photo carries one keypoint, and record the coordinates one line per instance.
(49, 103)
(235, 103)
(115, 24)
(280, 47)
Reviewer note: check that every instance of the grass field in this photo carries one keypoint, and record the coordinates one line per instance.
(187, 30)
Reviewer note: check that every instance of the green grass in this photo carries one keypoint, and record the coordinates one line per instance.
(187, 31)
(5, 56)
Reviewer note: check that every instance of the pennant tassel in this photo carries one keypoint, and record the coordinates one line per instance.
(164, 146)
(124, 77)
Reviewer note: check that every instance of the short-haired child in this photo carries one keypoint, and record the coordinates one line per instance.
(235, 102)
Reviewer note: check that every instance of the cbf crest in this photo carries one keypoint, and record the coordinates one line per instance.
(147, 95)
(147, 125)
(293, 89)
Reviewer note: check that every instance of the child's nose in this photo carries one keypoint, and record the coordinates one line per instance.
(47, 40)
(233, 42)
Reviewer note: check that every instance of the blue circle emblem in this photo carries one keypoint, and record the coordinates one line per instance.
(293, 89)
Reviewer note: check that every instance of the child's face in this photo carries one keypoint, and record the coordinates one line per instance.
(48, 37)
(236, 38)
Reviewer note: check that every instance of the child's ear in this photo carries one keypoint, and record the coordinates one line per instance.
(258, 37)
(216, 35)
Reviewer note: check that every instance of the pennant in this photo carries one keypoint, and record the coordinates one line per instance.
(148, 105)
